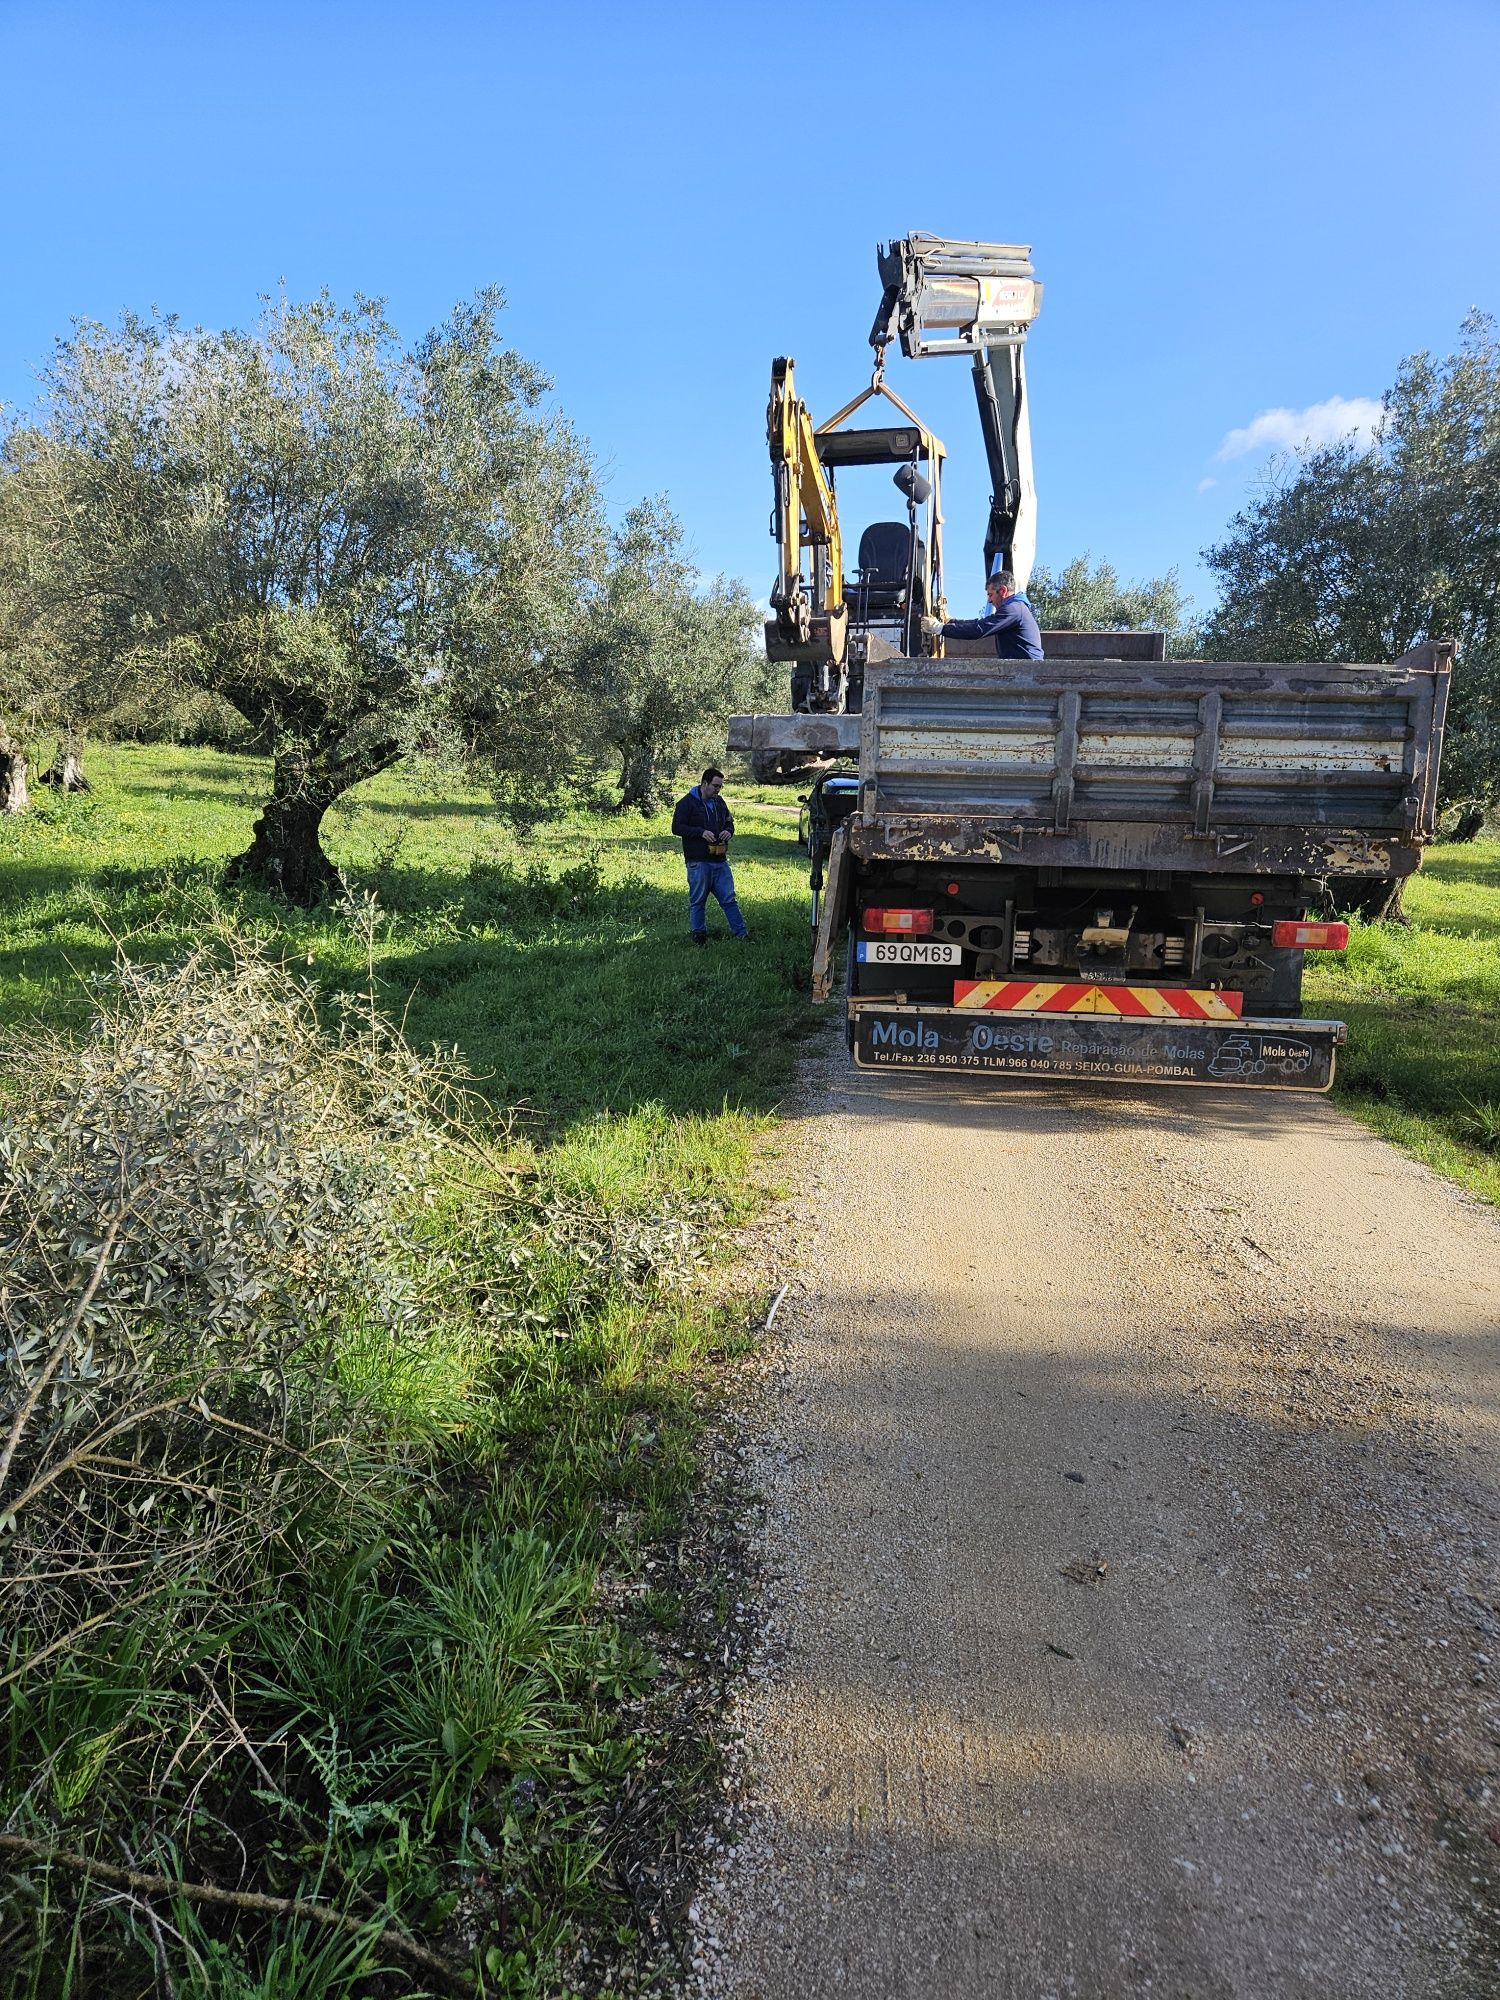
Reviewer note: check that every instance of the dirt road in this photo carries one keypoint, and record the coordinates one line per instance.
(1133, 1491)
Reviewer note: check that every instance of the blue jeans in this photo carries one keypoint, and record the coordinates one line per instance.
(712, 878)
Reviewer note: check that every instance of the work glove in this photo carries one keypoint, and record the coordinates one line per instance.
(932, 628)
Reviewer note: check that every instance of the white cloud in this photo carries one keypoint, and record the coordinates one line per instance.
(1204, 484)
(1319, 424)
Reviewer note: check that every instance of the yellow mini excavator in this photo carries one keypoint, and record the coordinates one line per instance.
(941, 296)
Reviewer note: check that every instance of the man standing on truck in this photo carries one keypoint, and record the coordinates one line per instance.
(705, 826)
(1010, 621)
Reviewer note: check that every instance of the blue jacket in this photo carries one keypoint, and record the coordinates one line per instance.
(695, 816)
(1013, 628)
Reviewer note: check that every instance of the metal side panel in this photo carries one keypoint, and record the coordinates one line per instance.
(818, 735)
(832, 916)
(953, 749)
(1203, 745)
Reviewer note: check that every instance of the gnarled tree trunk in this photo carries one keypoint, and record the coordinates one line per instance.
(285, 854)
(15, 797)
(639, 784)
(66, 769)
(1470, 822)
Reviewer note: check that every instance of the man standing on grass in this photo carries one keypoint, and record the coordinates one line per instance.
(705, 826)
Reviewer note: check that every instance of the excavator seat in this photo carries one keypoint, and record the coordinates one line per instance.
(884, 557)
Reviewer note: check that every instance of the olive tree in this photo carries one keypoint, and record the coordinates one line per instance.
(662, 658)
(1355, 553)
(361, 548)
(58, 671)
(1088, 597)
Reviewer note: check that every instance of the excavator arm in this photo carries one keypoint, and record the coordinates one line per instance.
(811, 621)
(946, 296)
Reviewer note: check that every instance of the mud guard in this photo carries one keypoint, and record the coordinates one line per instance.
(1269, 1055)
(831, 915)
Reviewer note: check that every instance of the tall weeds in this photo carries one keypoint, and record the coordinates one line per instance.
(315, 1416)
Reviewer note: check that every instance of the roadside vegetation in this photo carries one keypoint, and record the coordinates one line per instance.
(1422, 1001)
(358, 1387)
(1359, 550)
(335, 1663)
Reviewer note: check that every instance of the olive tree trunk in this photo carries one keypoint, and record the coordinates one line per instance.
(65, 772)
(14, 794)
(285, 854)
(640, 783)
(1470, 822)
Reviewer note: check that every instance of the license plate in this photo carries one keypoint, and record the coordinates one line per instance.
(1295, 1055)
(907, 951)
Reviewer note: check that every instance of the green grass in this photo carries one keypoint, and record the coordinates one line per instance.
(1422, 1065)
(559, 965)
(450, 1711)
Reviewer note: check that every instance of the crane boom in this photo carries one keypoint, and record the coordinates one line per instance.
(944, 295)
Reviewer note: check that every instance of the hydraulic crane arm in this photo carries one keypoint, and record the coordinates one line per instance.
(945, 296)
(1000, 387)
(810, 624)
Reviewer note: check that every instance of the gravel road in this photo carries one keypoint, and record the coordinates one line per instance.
(1132, 1489)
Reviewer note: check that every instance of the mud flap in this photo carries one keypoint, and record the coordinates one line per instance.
(1270, 1055)
(831, 917)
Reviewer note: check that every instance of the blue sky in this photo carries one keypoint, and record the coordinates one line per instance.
(1234, 211)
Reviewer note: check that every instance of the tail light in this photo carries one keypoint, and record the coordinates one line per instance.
(1310, 937)
(910, 923)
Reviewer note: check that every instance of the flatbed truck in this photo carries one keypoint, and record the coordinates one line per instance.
(1104, 864)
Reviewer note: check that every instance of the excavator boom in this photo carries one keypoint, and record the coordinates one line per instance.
(807, 626)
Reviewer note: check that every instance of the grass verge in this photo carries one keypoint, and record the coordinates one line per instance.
(1422, 1066)
(423, 1722)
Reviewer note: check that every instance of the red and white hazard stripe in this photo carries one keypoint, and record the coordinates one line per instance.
(1161, 1003)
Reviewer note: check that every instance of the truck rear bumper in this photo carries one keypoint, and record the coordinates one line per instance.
(1270, 1055)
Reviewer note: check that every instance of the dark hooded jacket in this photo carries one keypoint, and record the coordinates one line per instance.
(1013, 628)
(696, 816)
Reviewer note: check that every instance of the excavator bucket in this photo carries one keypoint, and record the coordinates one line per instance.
(946, 296)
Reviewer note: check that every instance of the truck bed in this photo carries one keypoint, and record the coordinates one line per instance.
(1202, 748)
